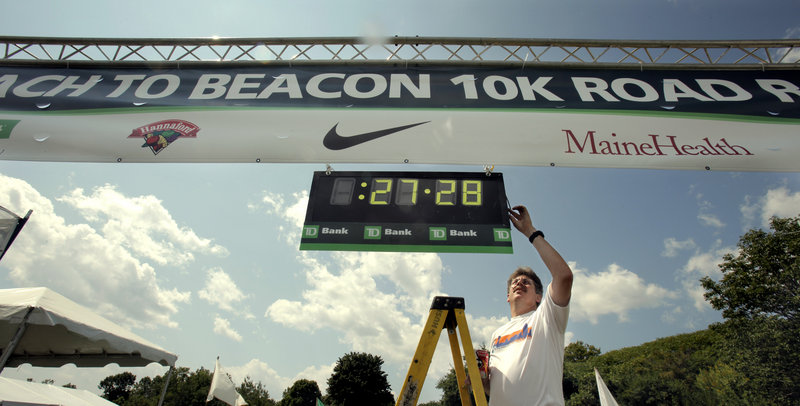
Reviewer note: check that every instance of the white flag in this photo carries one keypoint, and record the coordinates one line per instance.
(222, 388)
(606, 399)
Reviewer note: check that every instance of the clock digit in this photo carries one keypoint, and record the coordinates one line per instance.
(471, 194)
(381, 192)
(445, 192)
(342, 191)
(407, 192)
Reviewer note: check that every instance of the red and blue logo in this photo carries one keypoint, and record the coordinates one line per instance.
(159, 135)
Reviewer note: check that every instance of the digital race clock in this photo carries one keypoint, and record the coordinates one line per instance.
(407, 211)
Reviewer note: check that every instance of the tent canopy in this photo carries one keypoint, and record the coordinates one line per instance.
(16, 392)
(58, 331)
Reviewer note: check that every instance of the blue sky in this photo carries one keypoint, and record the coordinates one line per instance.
(202, 259)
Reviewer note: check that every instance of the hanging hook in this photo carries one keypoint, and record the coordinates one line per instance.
(328, 169)
(488, 169)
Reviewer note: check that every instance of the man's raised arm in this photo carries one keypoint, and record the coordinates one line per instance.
(561, 288)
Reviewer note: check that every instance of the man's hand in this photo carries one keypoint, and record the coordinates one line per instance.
(486, 381)
(521, 219)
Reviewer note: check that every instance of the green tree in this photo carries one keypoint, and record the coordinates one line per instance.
(578, 374)
(358, 379)
(186, 388)
(448, 384)
(763, 278)
(117, 388)
(578, 383)
(759, 296)
(661, 372)
(189, 388)
(303, 392)
(255, 394)
(718, 385)
(580, 351)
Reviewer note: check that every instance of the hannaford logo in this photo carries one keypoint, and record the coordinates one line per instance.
(160, 134)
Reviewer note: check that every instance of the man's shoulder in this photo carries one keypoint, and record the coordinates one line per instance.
(548, 301)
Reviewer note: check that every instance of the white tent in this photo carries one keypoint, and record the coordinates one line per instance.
(14, 392)
(42, 328)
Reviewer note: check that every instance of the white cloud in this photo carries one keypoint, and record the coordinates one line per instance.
(274, 383)
(705, 216)
(223, 328)
(613, 291)
(569, 337)
(140, 224)
(749, 210)
(710, 220)
(344, 295)
(672, 316)
(699, 265)
(377, 301)
(293, 213)
(778, 202)
(318, 374)
(672, 246)
(481, 328)
(85, 266)
(221, 290)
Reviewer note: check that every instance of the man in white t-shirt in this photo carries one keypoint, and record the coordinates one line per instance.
(527, 354)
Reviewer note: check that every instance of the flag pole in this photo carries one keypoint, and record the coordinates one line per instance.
(164, 389)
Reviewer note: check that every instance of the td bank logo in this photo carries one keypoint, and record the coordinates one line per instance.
(310, 231)
(372, 232)
(437, 233)
(502, 234)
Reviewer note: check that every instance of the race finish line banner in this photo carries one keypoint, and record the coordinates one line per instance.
(407, 212)
(739, 120)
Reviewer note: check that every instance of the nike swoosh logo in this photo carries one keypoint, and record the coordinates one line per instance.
(336, 142)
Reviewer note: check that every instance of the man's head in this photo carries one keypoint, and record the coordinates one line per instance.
(523, 290)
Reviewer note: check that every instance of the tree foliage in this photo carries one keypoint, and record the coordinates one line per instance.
(751, 358)
(117, 388)
(185, 388)
(358, 379)
(661, 372)
(448, 384)
(763, 278)
(580, 351)
(759, 296)
(303, 392)
(255, 394)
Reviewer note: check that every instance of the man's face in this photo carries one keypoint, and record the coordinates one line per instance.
(523, 291)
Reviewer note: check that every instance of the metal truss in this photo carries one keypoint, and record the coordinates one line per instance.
(768, 54)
